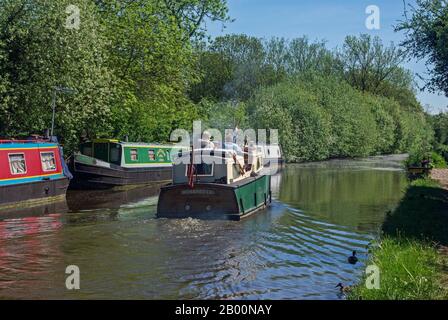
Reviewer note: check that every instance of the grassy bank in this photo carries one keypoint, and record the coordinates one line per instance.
(409, 253)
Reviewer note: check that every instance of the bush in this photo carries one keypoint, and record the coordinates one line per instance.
(353, 127)
(304, 126)
(321, 117)
(438, 161)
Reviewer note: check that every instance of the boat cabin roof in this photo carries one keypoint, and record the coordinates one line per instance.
(208, 152)
(223, 166)
(131, 144)
(27, 143)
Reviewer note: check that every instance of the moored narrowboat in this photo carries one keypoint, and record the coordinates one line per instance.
(32, 171)
(107, 163)
(222, 184)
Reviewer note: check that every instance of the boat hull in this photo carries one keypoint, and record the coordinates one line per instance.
(215, 201)
(86, 176)
(32, 193)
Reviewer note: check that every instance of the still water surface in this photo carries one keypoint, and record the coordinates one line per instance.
(296, 249)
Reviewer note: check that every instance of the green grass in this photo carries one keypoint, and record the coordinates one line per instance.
(438, 161)
(409, 270)
(407, 255)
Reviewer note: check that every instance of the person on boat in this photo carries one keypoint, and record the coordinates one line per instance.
(229, 144)
(251, 151)
(206, 142)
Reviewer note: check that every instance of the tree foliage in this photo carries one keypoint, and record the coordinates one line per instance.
(39, 53)
(153, 65)
(355, 101)
(130, 63)
(142, 68)
(426, 31)
(190, 15)
(322, 117)
(367, 63)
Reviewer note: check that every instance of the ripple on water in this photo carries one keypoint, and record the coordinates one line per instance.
(297, 249)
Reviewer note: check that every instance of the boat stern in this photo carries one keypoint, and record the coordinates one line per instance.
(204, 201)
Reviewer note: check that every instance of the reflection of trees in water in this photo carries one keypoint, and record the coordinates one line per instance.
(343, 196)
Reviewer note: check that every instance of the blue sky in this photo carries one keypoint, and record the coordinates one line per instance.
(331, 20)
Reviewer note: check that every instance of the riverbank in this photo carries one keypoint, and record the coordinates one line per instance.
(411, 255)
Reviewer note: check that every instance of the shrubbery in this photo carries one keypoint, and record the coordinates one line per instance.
(322, 117)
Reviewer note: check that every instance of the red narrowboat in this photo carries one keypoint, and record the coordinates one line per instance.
(31, 171)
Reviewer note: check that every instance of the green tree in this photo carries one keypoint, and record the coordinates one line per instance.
(38, 52)
(321, 117)
(248, 58)
(224, 115)
(154, 64)
(216, 70)
(426, 33)
(191, 15)
(440, 123)
(304, 57)
(367, 63)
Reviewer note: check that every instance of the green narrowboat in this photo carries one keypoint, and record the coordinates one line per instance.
(215, 184)
(107, 163)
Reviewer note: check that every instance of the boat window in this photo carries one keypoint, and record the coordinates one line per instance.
(17, 163)
(134, 155)
(202, 169)
(101, 151)
(48, 161)
(115, 154)
(151, 155)
(87, 151)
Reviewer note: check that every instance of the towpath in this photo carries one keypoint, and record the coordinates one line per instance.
(441, 175)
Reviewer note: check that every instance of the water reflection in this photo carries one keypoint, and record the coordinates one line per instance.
(350, 193)
(297, 249)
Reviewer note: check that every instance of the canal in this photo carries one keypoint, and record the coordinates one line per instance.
(296, 249)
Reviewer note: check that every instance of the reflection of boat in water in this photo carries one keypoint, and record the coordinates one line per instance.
(83, 201)
(32, 171)
(105, 163)
(79, 200)
(276, 181)
(218, 184)
(55, 207)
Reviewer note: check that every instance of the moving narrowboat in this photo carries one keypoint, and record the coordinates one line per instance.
(218, 184)
(107, 163)
(32, 171)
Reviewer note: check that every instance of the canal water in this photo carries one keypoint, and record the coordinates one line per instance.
(296, 249)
